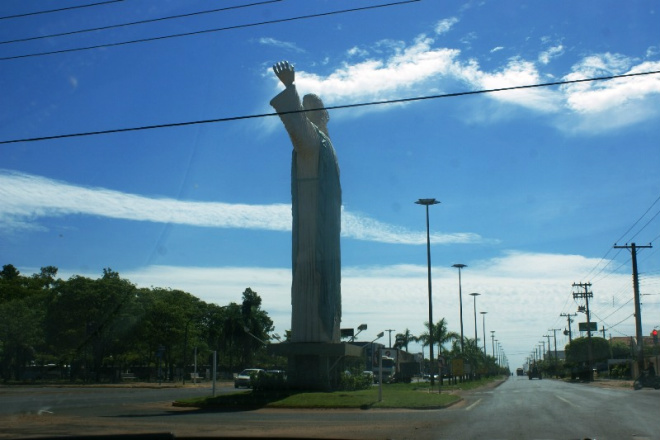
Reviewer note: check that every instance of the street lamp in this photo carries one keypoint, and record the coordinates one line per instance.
(492, 337)
(483, 325)
(380, 367)
(475, 295)
(460, 298)
(361, 328)
(427, 203)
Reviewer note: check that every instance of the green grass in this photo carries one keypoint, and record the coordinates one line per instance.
(414, 395)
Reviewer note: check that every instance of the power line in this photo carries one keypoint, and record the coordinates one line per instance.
(153, 20)
(638, 220)
(27, 14)
(620, 238)
(187, 34)
(612, 271)
(335, 107)
(645, 225)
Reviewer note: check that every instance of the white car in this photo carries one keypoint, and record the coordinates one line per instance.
(244, 378)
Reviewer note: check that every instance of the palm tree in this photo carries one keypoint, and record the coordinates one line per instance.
(440, 335)
(403, 339)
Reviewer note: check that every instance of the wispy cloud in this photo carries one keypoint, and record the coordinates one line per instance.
(267, 41)
(547, 55)
(25, 198)
(396, 69)
(443, 26)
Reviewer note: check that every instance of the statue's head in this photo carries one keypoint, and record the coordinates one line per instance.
(319, 118)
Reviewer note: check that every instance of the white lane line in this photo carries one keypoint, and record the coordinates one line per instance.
(567, 401)
(469, 408)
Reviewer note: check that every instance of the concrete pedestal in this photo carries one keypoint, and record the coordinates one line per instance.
(314, 365)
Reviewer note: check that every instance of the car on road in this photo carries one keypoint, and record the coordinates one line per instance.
(534, 372)
(520, 372)
(244, 378)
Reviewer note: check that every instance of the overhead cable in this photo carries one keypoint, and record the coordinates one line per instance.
(27, 14)
(206, 31)
(335, 107)
(645, 225)
(638, 220)
(153, 20)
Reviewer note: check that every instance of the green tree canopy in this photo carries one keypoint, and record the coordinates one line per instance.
(578, 352)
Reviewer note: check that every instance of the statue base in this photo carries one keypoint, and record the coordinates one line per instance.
(314, 365)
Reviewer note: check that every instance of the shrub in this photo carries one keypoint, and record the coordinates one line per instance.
(354, 381)
(268, 381)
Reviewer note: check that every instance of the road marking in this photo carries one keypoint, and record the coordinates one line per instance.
(567, 401)
(469, 408)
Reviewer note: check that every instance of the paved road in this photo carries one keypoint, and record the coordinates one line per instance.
(40, 400)
(518, 408)
(549, 409)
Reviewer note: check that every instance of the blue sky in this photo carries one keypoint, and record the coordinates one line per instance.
(536, 185)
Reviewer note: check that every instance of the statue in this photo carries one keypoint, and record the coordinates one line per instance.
(316, 209)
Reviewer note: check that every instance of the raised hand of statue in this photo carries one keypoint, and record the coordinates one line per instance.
(285, 72)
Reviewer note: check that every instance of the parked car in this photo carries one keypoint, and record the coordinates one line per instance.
(244, 378)
(278, 373)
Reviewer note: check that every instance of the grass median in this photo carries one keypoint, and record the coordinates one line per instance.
(416, 395)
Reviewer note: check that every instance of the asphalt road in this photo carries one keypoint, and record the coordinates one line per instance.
(92, 400)
(517, 409)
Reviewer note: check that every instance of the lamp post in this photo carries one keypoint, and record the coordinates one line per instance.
(492, 337)
(380, 366)
(483, 325)
(475, 295)
(460, 299)
(361, 328)
(427, 203)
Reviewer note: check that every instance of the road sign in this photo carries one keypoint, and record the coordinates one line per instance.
(583, 326)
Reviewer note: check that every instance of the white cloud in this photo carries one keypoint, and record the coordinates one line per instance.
(496, 49)
(547, 55)
(398, 70)
(519, 290)
(519, 73)
(604, 96)
(267, 41)
(443, 26)
(25, 198)
(357, 52)
(373, 79)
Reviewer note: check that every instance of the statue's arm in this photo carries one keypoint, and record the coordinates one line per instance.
(302, 132)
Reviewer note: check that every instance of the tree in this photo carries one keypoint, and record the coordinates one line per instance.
(21, 318)
(440, 335)
(11, 284)
(577, 351)
(86, 319)
(9, 272)
(257, 325)
(166, 314)
(403, 339)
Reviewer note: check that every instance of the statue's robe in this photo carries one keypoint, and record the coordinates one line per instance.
(316, 209)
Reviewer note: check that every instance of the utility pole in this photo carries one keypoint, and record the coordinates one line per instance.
(638, 312)
(548, 336)
(570, 333)
(586, 295)
(389, 330)
(554, 332)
